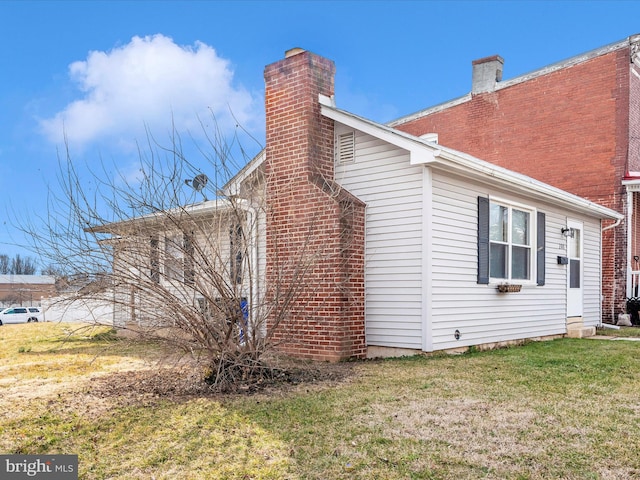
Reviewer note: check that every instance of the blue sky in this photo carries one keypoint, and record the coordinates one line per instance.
(107, 70)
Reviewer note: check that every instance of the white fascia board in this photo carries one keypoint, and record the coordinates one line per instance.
(428, 153)
(232, 187)
(421, 151)
(193, 210)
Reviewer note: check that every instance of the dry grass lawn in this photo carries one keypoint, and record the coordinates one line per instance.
(566, 409)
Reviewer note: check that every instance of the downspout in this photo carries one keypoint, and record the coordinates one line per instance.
(252, 221)
(629, 240)
(604, 229)
(256, 274)
(613, 225)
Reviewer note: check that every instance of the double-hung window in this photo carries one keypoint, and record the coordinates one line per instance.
(173, 258)
(510, 242)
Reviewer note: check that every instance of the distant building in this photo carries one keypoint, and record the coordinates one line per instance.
(25, 289)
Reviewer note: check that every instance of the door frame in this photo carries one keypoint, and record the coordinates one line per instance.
(575, 296)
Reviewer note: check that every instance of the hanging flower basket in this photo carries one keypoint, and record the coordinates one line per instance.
(507, 288)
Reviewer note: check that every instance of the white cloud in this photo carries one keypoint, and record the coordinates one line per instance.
(150, 81)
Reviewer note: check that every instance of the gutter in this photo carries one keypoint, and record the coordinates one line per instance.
(528, 184)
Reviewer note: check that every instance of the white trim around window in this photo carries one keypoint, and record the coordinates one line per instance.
(512, 242)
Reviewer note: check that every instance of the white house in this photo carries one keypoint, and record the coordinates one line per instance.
(417, 247)
(441, 232)
(446, 232)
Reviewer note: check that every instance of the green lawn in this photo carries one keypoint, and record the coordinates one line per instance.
(629, 332)
(565, 409)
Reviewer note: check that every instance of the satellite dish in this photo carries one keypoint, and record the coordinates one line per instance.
(199, 182)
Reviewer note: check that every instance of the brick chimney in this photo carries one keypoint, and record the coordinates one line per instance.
(312, 224)
(486, 73)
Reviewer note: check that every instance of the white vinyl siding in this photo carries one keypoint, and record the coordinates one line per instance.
(212, 237)
(479, 312)
(392, 190)
(421, 257)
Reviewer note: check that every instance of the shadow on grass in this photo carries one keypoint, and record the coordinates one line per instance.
(91, 340)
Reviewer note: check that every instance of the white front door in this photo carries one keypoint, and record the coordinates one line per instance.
(575, 269)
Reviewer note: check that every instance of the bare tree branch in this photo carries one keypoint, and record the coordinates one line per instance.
(175, 267)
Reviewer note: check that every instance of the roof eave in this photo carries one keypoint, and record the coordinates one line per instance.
(148, 221)
(472, 166)
(414, 145)
(425, 152)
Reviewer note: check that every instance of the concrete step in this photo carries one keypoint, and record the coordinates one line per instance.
(581, 332)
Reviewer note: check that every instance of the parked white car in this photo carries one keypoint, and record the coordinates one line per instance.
(21, 315)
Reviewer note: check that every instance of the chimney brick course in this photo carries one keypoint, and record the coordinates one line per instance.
(311, 222)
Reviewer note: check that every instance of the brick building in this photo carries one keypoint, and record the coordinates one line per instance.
(574, 125)
(25, 290)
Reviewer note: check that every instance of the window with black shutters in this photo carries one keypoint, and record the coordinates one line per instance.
(509, 250)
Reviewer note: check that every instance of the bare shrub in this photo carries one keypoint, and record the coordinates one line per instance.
(176, 266)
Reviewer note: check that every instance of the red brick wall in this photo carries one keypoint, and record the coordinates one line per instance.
(634, 120)
(24, 294)
(568, 128)
(315, 231)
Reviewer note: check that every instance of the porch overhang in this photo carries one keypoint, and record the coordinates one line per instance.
(631, 181)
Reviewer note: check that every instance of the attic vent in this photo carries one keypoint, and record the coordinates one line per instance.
(345, 147)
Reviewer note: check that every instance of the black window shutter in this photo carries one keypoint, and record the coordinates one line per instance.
(540, 264)
(483, 240)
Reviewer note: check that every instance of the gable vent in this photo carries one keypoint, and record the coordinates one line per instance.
(345, 147)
